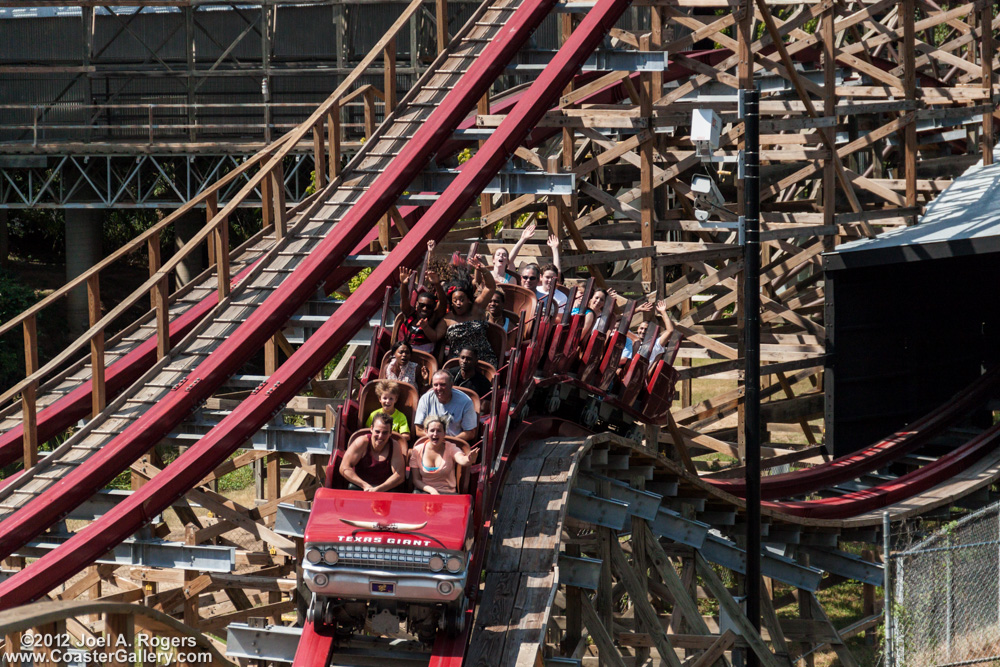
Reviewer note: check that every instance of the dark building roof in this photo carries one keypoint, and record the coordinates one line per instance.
(963, 220)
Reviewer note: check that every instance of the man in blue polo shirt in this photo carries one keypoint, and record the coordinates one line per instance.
(443, 400)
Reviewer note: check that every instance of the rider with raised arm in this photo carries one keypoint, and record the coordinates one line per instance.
(465, 325)
(420, 321)
(502, 261)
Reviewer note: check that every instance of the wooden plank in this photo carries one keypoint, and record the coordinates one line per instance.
(543, 527)
(529, 618)
(771, 622)
(508, 538)
(489, 636)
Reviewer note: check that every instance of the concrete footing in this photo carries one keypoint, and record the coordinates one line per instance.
(184, 229)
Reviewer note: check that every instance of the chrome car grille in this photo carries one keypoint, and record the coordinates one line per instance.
(384, 564)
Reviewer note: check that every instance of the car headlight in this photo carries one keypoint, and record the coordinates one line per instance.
(436, 563)
(455, 564)
(313, 555)
(330, 557)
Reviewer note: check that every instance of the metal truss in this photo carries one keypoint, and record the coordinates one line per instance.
(131, 181)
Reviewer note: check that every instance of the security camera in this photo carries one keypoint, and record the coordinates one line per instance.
(707, 197)
(706, 126)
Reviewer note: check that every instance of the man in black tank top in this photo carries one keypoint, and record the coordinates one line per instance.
(374, 462)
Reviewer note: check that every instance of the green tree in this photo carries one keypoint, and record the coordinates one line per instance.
(15, 297)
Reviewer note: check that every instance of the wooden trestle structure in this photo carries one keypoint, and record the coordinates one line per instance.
(869, 110)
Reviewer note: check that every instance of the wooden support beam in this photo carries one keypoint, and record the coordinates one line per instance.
(680, 445)
(485, 200)
(602, 639)
(603, 600)
(221, 238)
(829, 45)
(119, 632)
(158, 298)
(319, 155)
(211, 210)
(553, 206)
(574, 612)
(50, 633)
(717, 650)
(907, 15)
(718, 590)
(98, 396)
(640, 604)
(333, 140)
(685, 606)
(369, 102)
(640, 567)
(389, 76)
(190, 613)
(986, 60)
(805, 613)
(441, 18)
(839, 647)
(277, 201)
(646, 203)
(800, 88)
(28, 394)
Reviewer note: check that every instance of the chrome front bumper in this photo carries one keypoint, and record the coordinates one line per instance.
(361, 584)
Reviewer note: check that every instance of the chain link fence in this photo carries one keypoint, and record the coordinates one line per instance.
(944, 596)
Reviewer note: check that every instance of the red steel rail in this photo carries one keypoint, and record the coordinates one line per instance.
(907, 486)
(852, 466)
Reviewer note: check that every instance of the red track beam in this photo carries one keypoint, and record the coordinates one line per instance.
(313, 649)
